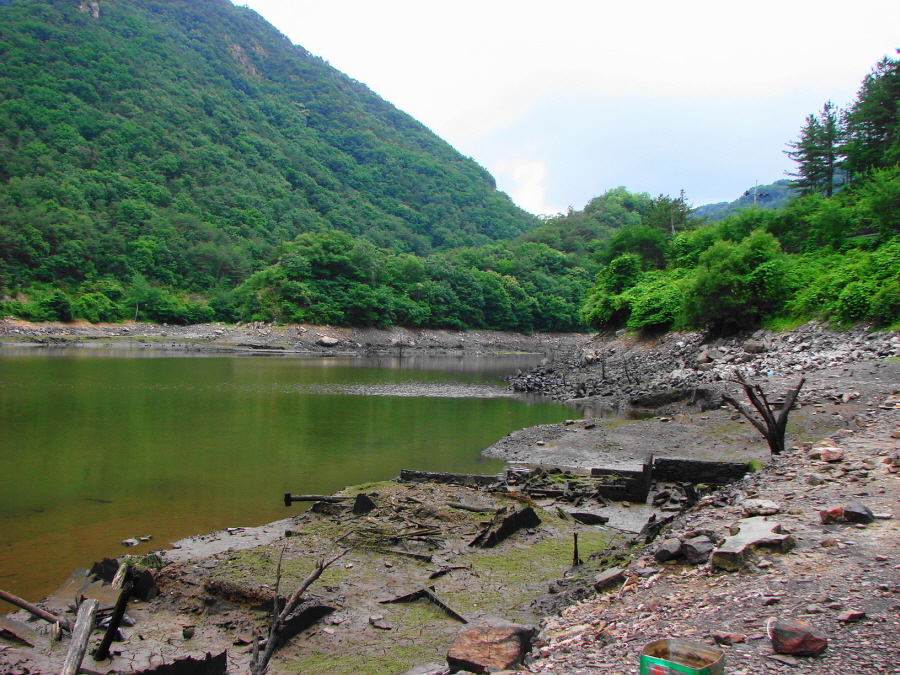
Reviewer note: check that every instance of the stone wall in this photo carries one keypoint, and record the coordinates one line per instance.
(669, 470)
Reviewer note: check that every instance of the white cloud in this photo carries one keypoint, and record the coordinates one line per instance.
(525, 181)
(484, 75)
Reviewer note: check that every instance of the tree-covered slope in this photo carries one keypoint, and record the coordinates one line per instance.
(184, 140)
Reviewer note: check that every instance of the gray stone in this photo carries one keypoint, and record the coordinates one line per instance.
(858, 513)
(608, 578)
(698, 549)
(670, 548)
(747, 534)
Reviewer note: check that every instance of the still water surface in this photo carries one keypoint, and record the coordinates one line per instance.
(96, 447)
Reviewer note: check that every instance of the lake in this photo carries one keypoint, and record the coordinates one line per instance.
(98, 446)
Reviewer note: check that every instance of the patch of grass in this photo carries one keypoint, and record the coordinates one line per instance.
(892, 358)
(783, 323)
(755, 465)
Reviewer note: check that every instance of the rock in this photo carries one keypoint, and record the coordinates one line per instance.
(754, 347)
(747, 534)
(379, 623)
(798, 638)
(826, 450)
(487, 649)
(670, 548)
(760, 507)
(728, 638)
(608, 578)
(590, 518)
(503, 526)
(815, 479)
(852, 513)
(831, 515)
(326, 341)
(698, 549)
(858, 513)
(851, 617)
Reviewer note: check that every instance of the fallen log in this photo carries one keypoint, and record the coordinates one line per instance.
(473, 509)
(289, 498)
(429, 595)
(415, 556)
(33, 609)
(81, 635)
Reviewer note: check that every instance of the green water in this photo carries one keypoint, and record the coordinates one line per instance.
(96, 448)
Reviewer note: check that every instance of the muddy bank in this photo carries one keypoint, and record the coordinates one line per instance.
(293, 339)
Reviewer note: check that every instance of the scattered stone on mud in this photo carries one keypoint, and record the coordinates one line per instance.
(797, 638)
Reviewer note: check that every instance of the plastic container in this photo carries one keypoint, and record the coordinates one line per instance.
(674, 657)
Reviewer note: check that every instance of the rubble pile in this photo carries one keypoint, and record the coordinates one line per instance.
(618, 371)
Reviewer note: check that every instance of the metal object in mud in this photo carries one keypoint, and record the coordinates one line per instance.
(674, 657)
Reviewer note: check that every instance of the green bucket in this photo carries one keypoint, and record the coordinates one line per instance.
(674, 657)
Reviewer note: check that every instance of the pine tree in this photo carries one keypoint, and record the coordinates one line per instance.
(873, 120)
(816, 152)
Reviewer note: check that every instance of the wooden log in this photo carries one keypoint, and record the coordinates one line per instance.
(289, 498)
(37, 611)
(115, 621)
(473, 509)
(428, 594)
(81, 635)
(406, 554)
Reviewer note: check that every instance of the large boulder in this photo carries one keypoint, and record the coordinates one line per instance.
(487, 649)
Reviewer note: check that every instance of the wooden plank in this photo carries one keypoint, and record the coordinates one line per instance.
(81, 635)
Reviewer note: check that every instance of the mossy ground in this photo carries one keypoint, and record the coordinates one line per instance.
(479, 584)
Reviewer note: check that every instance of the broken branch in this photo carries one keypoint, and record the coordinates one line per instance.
(33, 609)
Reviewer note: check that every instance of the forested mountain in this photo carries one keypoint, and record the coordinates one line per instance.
(184, 140)
(181, 161)
(774, 196)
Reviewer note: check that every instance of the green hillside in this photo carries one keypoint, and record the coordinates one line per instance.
(182, 141)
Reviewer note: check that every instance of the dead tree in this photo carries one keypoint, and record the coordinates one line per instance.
(259, 663)
(771, 427)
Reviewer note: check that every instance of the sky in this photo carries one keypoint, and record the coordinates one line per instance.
(562, 100)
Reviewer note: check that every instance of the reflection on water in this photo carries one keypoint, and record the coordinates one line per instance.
(96, 450)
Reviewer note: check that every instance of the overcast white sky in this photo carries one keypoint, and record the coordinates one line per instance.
(562, 100)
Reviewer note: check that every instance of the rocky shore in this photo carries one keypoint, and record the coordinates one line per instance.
(270, 339)
(654, 571)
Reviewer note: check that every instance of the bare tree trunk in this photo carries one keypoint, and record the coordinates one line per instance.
(259, 663)
(771, 427)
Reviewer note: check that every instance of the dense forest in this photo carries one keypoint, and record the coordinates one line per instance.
(180, 161)
(832, 252)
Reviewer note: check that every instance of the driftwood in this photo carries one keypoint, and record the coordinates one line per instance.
(428, 594)
(473, 509)
(289, 498)
(33, 609)
(117, 615)
(259, 663)
(406, 554)
(81, 635)
(446, 570)
(771, 427)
